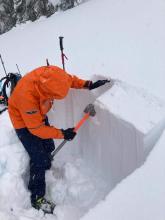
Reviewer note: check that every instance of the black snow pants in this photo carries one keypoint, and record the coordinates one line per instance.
(39, 151)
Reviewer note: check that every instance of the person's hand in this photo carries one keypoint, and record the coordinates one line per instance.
(94, 85)
(69, 134)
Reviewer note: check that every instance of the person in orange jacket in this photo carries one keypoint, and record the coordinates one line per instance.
(28, 105)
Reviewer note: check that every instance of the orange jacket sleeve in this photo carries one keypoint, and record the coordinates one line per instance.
(34, 121)
(76, 82)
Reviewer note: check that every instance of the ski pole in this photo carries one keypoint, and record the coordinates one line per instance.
(47, 62)
(89, 111)
(3, 65)
(63, 56)
(18, 69)
(1, 111)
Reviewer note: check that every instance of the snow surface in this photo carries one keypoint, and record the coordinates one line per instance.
(123, 40)
(140, 196)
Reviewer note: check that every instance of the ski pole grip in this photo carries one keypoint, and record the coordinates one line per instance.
(61, 43)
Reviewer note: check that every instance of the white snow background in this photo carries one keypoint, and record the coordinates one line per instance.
(105, 173)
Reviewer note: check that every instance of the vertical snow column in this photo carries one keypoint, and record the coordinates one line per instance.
(128, 123)
(115, 142)
(67, 113)
(113, 147)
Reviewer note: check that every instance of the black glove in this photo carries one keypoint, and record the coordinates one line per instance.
(94, 85)
(69, 134)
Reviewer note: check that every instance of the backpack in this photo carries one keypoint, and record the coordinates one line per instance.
(7, 85)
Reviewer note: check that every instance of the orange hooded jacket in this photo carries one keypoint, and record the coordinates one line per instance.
(33, 97)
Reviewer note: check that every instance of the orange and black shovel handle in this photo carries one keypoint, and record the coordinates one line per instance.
(79, 124)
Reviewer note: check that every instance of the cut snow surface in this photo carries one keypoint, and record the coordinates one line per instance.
(119, 39)
(115, 139)
(140, 196)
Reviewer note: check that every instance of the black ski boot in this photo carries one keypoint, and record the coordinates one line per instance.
(46, 206)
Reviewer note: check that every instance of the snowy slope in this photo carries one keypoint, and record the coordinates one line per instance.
(124, 39)
(119, 39)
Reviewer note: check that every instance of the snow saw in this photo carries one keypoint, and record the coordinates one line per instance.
(89, 111)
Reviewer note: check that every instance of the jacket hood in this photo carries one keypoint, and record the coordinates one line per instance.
(54, 83)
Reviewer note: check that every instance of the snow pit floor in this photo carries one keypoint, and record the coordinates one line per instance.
(86, 169)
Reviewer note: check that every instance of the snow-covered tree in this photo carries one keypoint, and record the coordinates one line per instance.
(66, 4)
(7, 15)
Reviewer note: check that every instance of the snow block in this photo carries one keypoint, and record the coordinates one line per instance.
(117, 140)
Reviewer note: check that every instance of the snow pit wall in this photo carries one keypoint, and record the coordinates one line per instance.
(110, 146)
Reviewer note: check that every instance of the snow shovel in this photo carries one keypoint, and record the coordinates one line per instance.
(89, 111)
